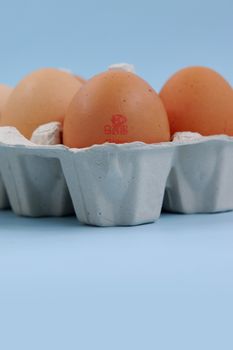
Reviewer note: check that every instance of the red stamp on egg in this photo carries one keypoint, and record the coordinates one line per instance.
(118, 125)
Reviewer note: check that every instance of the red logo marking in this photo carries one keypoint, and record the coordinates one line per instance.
(118, 127)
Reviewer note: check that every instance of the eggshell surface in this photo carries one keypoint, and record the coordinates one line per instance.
(198, 99)
(41, 97)
(5, 92)
(80, 79)
(115, 106)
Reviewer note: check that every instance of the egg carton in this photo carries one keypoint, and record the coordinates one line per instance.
(116, 184)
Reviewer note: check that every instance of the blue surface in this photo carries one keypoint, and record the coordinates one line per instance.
(166, 285)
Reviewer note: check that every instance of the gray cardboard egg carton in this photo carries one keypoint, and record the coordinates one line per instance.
(110, 184)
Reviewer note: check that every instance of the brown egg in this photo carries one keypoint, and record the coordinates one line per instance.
(81, 79)
(200, 100)
(5, 91)
(115, 106)
(41, 97)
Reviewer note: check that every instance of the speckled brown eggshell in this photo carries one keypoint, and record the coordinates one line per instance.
(198, 99)
(115, 106)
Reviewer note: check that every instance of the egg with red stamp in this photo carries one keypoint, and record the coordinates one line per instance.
(118, 107)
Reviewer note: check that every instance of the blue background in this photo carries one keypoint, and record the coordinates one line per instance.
(159, 37)
(166, 285)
